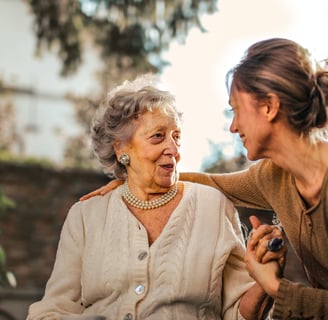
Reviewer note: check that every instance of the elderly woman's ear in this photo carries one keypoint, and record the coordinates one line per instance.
(118, 148)
(122, 157)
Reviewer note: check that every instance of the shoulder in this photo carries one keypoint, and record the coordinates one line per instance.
(214, 206)
(266, 168)
(264, 165)
(324, 192)
(94, 208)
(201, 189)
(207, 195)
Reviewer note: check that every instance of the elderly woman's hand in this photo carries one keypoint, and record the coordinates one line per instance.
(259, 242)
(102, 190)
(263, 265)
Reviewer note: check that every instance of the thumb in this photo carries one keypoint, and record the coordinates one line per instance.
(255, 221)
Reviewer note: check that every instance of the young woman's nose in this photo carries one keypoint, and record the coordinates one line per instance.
(233, 127)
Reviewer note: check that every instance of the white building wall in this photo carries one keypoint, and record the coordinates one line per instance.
(47, 110)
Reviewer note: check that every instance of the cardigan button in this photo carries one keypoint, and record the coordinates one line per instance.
(139, 289)
(142, 255)
(128, 316)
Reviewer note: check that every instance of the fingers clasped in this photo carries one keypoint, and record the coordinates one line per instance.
(275, 244)
(267, 243)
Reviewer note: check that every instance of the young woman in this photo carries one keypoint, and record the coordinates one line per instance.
(279, 100)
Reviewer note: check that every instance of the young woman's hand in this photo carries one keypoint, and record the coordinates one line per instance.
(258, 242)
(264, 265)
(102, 190)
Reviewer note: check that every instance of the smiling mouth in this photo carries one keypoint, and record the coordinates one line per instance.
(167, 166)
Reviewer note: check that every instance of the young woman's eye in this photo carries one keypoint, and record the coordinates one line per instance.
(228, 112)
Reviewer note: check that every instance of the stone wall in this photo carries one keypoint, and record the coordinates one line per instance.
(30, 231)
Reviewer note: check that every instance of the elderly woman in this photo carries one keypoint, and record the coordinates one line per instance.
(153, 248)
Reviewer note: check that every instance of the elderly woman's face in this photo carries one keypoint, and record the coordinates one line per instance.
(154, 151)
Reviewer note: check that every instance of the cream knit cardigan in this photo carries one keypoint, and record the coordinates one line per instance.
(104, 265)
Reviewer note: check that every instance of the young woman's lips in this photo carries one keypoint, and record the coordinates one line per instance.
(243, 139)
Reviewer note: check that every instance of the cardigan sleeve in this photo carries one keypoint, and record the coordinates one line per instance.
(63, 289)
(236, 280)
(296, 301)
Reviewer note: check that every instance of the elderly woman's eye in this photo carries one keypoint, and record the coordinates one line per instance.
(158, 135)
(177, 138)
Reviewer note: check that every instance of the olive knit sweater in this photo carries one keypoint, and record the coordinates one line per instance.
(266, 186)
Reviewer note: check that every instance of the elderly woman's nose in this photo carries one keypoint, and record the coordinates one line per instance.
(171, 146)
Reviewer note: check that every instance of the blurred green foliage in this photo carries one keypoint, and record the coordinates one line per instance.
(130, 33)
(130, 37)
(7, 156)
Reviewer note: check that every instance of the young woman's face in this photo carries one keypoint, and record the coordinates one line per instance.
(250, 122)
(154, 151)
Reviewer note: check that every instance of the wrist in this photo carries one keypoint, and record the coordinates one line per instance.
(273, 287)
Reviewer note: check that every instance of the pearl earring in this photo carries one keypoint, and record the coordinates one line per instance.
(124, 159)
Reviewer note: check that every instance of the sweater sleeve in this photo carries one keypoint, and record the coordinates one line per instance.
(296, 301)
(246, 188)
(63, 289)
(236, 280)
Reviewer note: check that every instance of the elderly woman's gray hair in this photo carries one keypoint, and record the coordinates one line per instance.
(116, 119)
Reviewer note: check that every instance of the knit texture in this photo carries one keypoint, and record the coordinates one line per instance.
(267, 186)
(194, 269)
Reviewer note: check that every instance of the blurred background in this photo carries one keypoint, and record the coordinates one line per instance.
(59, 58)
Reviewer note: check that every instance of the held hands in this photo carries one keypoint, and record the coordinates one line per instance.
(261, 236)
(102, 190)
(265, 266)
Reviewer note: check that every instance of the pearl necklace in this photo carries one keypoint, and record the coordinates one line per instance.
(131, 199)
